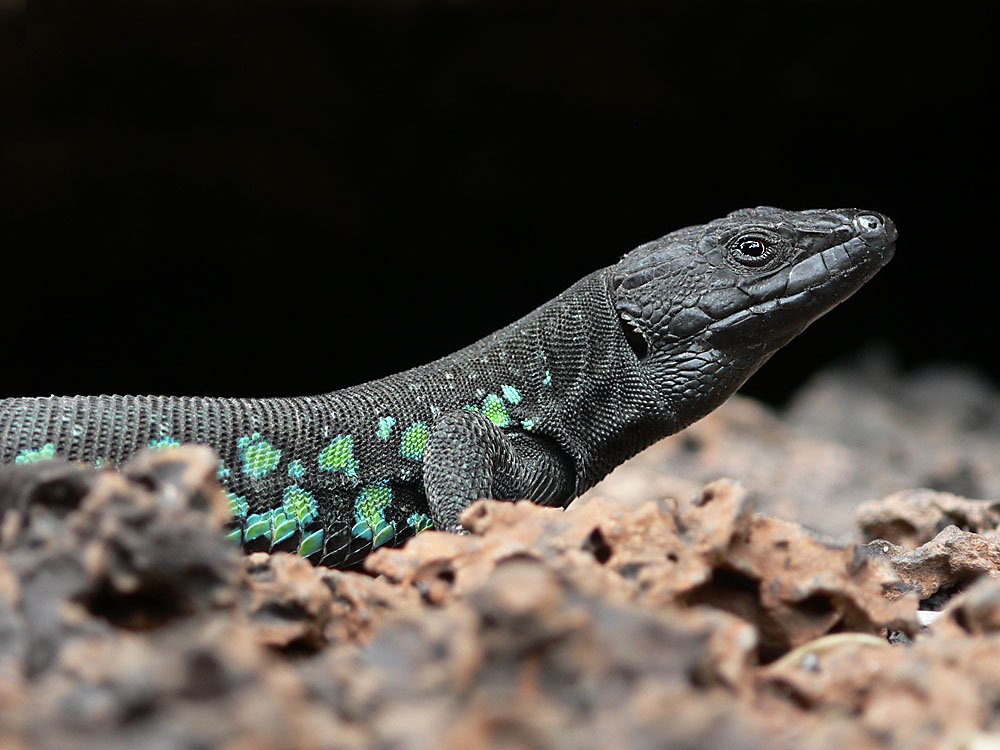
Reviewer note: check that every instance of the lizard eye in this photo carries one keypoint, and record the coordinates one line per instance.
(752, 248)
(753, 251)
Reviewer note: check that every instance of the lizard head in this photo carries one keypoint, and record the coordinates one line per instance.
(703, 307)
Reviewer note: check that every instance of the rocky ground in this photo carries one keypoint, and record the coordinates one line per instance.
(666, 608)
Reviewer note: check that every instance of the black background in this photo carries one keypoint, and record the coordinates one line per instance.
(273, 199)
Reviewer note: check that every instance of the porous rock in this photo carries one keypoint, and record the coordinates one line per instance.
(711, 549)
(913, 517)
(943, 566)
(128, 620)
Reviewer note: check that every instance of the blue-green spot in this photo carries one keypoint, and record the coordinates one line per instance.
(495, 411)
(223, 472)
(527, 423)
(296, 469)
(548, 378)
(362, 529)
(28, 456)
(258, 524)
(339, 456)
(371, 504)
(163, 443)
(258, 456)
(283, 527)
(235, 536)
(238, 505)
(300, 505)
(382, 533)
(414, 440)
(385, 425)
(420, 522)
(311, 544)
(511, 394)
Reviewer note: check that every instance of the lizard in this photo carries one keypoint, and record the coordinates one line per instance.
(541, 409)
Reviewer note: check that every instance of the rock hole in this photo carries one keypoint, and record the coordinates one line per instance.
(816, 605)
(962, 619)
(706, 496)
(598, 546)
(630, 570)
(148, 608)
(447, 575)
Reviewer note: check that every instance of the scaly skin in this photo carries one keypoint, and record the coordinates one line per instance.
(542, 409)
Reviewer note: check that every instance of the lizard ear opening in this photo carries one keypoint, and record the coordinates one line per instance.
(635, 339)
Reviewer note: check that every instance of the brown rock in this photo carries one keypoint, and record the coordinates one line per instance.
(710, 550)
(976, 611)
(290, 605)
(912, 517)
(795, 588)
(943, 566)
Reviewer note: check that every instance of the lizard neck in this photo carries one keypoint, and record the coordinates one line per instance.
(601, 408)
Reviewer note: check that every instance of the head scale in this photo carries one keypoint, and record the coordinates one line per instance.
(705, 306)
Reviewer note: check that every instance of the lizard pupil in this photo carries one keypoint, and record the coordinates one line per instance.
(753, 248)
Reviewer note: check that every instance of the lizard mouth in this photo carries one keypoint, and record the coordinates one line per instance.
(802, 292)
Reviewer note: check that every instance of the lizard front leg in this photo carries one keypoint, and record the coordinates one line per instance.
(470, 458)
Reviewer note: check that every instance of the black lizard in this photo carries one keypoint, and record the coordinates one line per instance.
(541, 409)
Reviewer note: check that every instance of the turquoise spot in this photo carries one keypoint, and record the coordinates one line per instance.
(300, 505)
(414, 440)
(296, 469)
(527, 423)
(339, 456)
(370, 507)
(283, 527)
(495, 411)
(385, 425)
(258, 524)
(163, 443)
(362, 529)
(383, 532)
(259, 456)
(548, 378)
(311, 544)
(235, 536)
(27, 456)
(98, 463)
(238, 505)
(420, 522)
(223, 472)
(511, 394)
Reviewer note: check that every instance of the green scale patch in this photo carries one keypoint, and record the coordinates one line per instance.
(29, 456)
(297, 512)
(511, 394)
(414, 441)
(339, 456)
(420, 522)
(163, 443)
(296, 469)
(370, 513)
(258, 456)
(495, 410)
(238, 505)
(300, 504)
(385, 425)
